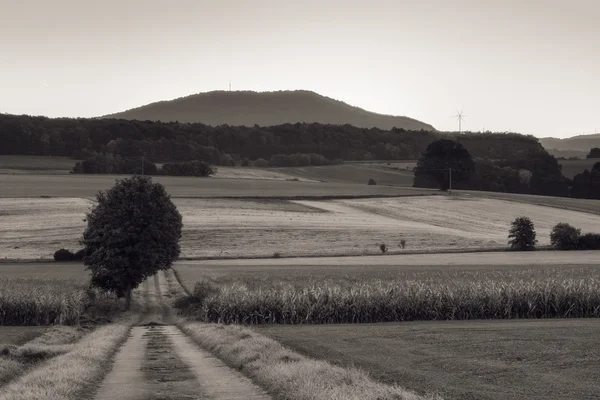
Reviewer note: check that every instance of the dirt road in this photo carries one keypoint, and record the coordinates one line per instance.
(158, 361)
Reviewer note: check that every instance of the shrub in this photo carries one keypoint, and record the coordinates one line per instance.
(277, 255)
(565, 237)
(372, 182)
(402, 243)
(383, 248)
(79, 254)
(260, 163)
(245, 162)
(589, 241)
(522, 234)
(280, 160)
(64, 255)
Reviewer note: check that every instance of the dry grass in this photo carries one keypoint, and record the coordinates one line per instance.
(448, 295)
(71, 375)
(286, 374)
(255, 173)
(16, 359)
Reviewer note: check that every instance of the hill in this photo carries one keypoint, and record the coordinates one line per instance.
(581, 143)
(248, 108)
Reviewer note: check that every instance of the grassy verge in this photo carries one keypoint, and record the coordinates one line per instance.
(286, 374)
(445, 295)
(72, 375)
(15, 360)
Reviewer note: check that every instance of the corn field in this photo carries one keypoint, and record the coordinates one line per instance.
(553, 293)
(33, 301)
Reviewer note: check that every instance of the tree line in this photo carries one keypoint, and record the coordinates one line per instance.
(83, 138)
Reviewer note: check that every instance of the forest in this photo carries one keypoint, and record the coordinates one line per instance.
(501, 158)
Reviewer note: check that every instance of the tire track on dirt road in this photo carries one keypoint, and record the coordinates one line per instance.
(158, 361)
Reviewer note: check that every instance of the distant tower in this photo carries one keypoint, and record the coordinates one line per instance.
(230, 86)
(460, 117)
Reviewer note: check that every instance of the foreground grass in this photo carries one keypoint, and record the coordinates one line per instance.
(16, 359)
(485, 360)
(72, 375)
(286, 374)
(445, 295)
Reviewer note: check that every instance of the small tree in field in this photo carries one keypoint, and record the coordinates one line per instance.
(522, 234)
(565, 237)
(132, 233)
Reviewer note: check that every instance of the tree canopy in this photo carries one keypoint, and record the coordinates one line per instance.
(433, 167)
(132, 233)
(594, 153)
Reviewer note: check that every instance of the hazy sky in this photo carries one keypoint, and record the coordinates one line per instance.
(530, 66)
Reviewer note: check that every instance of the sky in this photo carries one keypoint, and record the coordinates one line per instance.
(528, 66)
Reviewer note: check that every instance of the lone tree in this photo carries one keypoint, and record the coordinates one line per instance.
(522, 234)
(441, 156)
(132, 233)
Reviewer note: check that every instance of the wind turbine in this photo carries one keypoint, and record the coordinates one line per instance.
(460, 117)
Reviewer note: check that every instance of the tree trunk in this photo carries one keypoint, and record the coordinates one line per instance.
(128, 298)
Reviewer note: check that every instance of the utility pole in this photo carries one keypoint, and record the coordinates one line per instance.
(450, 186)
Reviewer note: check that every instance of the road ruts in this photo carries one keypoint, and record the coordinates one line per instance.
(158, 361)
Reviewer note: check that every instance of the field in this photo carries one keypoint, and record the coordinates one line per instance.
(395, 174)
(478, 360)
(516, 359)
(35, 165)
(336, 275)
(33, 228)
(88, 186)
(570, 168)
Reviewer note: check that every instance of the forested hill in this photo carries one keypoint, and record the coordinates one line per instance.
(25, 135)
(248, 108)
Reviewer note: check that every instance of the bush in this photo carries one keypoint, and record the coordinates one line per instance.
(260, 163)
(402, 243)
(522, 234)
(64, 255)
(372, 182)
(79, 254)
(245, 162)
(589, 241)
(383, 248)
(565, 237)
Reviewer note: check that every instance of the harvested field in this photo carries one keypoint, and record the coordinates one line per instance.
(260, 228)
(478, 360)
(45, 270)
(30, 225)
(87, 186)
(256, 173)
(397, 174)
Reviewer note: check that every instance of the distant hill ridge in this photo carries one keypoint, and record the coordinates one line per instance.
(249, 108)
(581, 143)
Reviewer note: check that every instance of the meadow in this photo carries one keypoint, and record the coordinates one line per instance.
(543, 359)
(35, 228)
